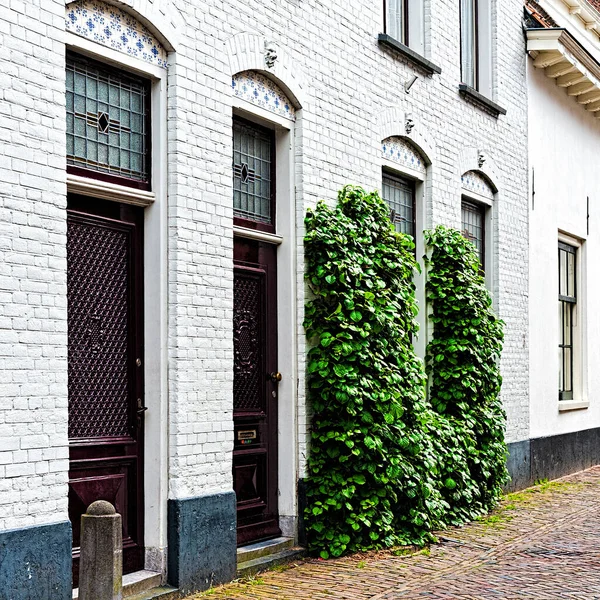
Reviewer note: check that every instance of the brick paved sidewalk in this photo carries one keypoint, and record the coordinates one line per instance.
(542, 543)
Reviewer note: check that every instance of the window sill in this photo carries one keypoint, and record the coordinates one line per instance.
(389, 42)
(472, 94)
(566, 405)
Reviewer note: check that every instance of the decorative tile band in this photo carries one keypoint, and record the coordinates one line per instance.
(401, 151)
(114, 28)
(474, 182)
(261, 91)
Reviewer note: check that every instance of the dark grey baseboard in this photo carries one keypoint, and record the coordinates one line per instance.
(202, 540)
(35, 562)
(552, 457)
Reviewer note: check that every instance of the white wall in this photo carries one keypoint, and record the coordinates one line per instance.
(564, 145)
(350, 82)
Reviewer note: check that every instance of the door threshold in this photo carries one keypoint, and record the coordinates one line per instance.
(261, 556)
(135, 583)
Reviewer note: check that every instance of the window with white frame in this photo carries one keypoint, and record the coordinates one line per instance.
(404, 21)
(399, 193)
(108, 126)
(476, 45)
(567, 307)
(473, 227)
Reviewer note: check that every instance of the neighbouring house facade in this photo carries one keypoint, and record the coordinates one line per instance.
(157, 159)
(563, 85)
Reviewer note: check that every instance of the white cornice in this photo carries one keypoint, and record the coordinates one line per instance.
(108, 191)
(566, 61)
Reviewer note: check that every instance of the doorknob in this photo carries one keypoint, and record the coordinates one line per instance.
(275, 377)
(141, 409)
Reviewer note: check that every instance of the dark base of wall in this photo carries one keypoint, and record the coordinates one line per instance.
(202, 541)
(35, 563)
(301, 506)
(552, 457)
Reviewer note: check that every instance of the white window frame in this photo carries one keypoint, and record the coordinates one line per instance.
(488, 233)
(284, 237)
(156, 453)
(482, 74)
(580, 396)
(420, 186)
(413, 25)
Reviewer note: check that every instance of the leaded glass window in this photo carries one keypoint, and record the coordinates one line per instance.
(400, 197)
(469, 41)
(253, 158)
(473, 226)
(567, 303)
(397, 20)
(107, 124)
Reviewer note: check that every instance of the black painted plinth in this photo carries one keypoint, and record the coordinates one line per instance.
(552, 457)
(35, 562)
(202, 541)
(519, 466)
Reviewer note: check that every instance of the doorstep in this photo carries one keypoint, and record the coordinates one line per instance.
(142, 585)
(261, 556)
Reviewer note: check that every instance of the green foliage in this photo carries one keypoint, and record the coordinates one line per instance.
(386, 467)
(372, 468)
(462, 362)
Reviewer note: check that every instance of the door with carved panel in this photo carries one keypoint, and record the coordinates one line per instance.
(105, 381)
(255, 390)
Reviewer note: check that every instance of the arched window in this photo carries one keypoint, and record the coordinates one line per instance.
(404, 166)
(476, 203)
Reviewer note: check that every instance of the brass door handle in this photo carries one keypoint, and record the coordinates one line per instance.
(275, 377)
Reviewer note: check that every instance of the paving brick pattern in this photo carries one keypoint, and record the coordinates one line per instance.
(542, 543)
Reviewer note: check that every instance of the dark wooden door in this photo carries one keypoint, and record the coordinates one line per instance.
(105, 316)
(255, 390)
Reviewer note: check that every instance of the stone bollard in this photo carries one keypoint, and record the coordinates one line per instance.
(101, 562)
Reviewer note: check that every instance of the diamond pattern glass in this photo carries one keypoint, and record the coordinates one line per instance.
(253, 154)
(107, 129)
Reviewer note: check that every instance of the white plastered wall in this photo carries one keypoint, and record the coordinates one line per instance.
(564, 145)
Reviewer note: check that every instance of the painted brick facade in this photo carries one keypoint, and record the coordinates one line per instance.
(351, 96)
(33, 326)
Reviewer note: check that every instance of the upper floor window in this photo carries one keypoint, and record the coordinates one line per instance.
(404, 21)
(108, 125)
(399, 193)
(253, 175)
(468, 41)
(397, 20)
(476, 45)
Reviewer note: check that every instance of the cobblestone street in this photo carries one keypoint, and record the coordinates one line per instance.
(540, 543)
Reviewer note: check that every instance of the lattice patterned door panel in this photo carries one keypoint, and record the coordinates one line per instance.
(104, 343)
(254, 391)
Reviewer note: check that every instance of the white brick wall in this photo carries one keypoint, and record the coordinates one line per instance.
(348, 82)
(33, 326)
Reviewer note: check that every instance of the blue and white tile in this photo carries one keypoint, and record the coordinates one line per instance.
(114, 28)
(474, 182)
(402, 152)
(261, 91)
